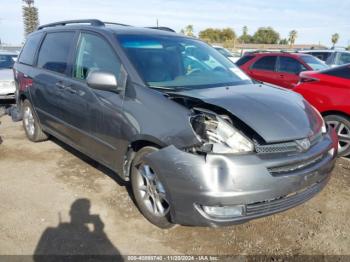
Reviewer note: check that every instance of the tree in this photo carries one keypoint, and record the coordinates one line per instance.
(188, 30)
(283, 41)
(217, 36)
(30, 17)
(245, 38)
(266, 35)
(292, 36)
(335, 38)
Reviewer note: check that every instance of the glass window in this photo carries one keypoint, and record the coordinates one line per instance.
(344, 58)
(290, 65)
(321, 55)
(244, 59)
(95, 53)
(342, 72)
(178, 62)
(7, 61)
(314, 62)
(266, 63)
(29, 49)
(54, 52)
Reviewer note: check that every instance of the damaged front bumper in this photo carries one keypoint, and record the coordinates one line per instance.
(241, 187)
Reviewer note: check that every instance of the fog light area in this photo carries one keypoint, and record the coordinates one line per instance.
(224, 211)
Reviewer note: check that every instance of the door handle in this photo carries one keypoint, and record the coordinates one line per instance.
(281, 76)
(71, 90)
(60, 85)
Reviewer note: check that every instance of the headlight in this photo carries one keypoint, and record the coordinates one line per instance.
(219, 136)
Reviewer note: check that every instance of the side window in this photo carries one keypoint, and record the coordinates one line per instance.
(344, 58)
(29, 49)
(266, 63)
(342, 72)
(94, 53)
(54, 52)
(290, 65)
(244, 59)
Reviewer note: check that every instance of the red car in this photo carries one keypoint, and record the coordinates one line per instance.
(279, 68)
(329, 92)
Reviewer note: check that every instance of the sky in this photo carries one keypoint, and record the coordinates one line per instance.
(314, 20)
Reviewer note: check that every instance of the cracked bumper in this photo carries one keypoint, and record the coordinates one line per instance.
(192, 181)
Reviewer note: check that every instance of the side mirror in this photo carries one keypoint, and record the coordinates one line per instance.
(100, 80)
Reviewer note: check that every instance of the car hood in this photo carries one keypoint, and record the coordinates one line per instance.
(274, 113)
(6, 74)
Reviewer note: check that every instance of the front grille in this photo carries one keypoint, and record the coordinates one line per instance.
(298, 166)
(284, 147)
(285, 202)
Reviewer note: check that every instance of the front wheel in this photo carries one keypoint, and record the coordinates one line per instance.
(149, 192)
(341, 125)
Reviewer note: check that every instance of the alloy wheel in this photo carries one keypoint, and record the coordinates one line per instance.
(343, 133)
(29, 121)
(152, 191)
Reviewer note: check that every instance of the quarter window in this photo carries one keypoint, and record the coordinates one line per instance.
(54, 52)
(266, 63)
(94, 53)
(29, 49)
(290, 65)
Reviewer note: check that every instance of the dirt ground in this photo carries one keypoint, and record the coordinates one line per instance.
(40, 182)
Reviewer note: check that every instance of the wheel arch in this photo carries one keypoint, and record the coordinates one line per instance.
(135, 145)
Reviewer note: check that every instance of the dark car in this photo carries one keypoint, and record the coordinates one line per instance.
(279, 68)
(331, 57)
(329, 91)
(200, 143)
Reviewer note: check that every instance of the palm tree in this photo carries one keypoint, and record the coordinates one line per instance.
(335, 38)
(189, 30)
(292, 37)
(30, 17)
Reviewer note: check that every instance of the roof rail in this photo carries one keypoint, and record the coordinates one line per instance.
(112, 23)
(163, 28)
(93, 22)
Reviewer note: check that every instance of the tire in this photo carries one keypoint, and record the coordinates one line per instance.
(148, 190)
(341, 124)
(31, 123)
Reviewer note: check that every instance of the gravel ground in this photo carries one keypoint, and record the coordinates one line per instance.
(40, 182)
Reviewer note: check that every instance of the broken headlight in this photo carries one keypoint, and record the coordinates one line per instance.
(219, 135)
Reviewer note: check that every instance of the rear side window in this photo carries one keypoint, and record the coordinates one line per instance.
(266, 63)
(29, 49)
(290, 65)
(342, 72)
(244, 59)
(54, 52)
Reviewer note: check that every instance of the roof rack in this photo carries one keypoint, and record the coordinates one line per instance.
(96, 22)
(163, 28)
(93, 22)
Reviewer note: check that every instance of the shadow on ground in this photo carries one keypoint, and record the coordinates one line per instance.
(83, 235)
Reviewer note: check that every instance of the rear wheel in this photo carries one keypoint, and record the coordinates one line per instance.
(31, 123)
(341, 125)
(149, 192)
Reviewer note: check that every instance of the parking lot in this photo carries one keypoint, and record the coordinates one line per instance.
(41, 183)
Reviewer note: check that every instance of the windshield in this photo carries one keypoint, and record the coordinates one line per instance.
(178, 63)
(7, 61)
(224, 51)
(315, 63)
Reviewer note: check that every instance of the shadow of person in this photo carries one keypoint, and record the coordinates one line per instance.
(75, 238)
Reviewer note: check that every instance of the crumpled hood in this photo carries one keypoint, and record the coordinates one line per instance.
(274, 113)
